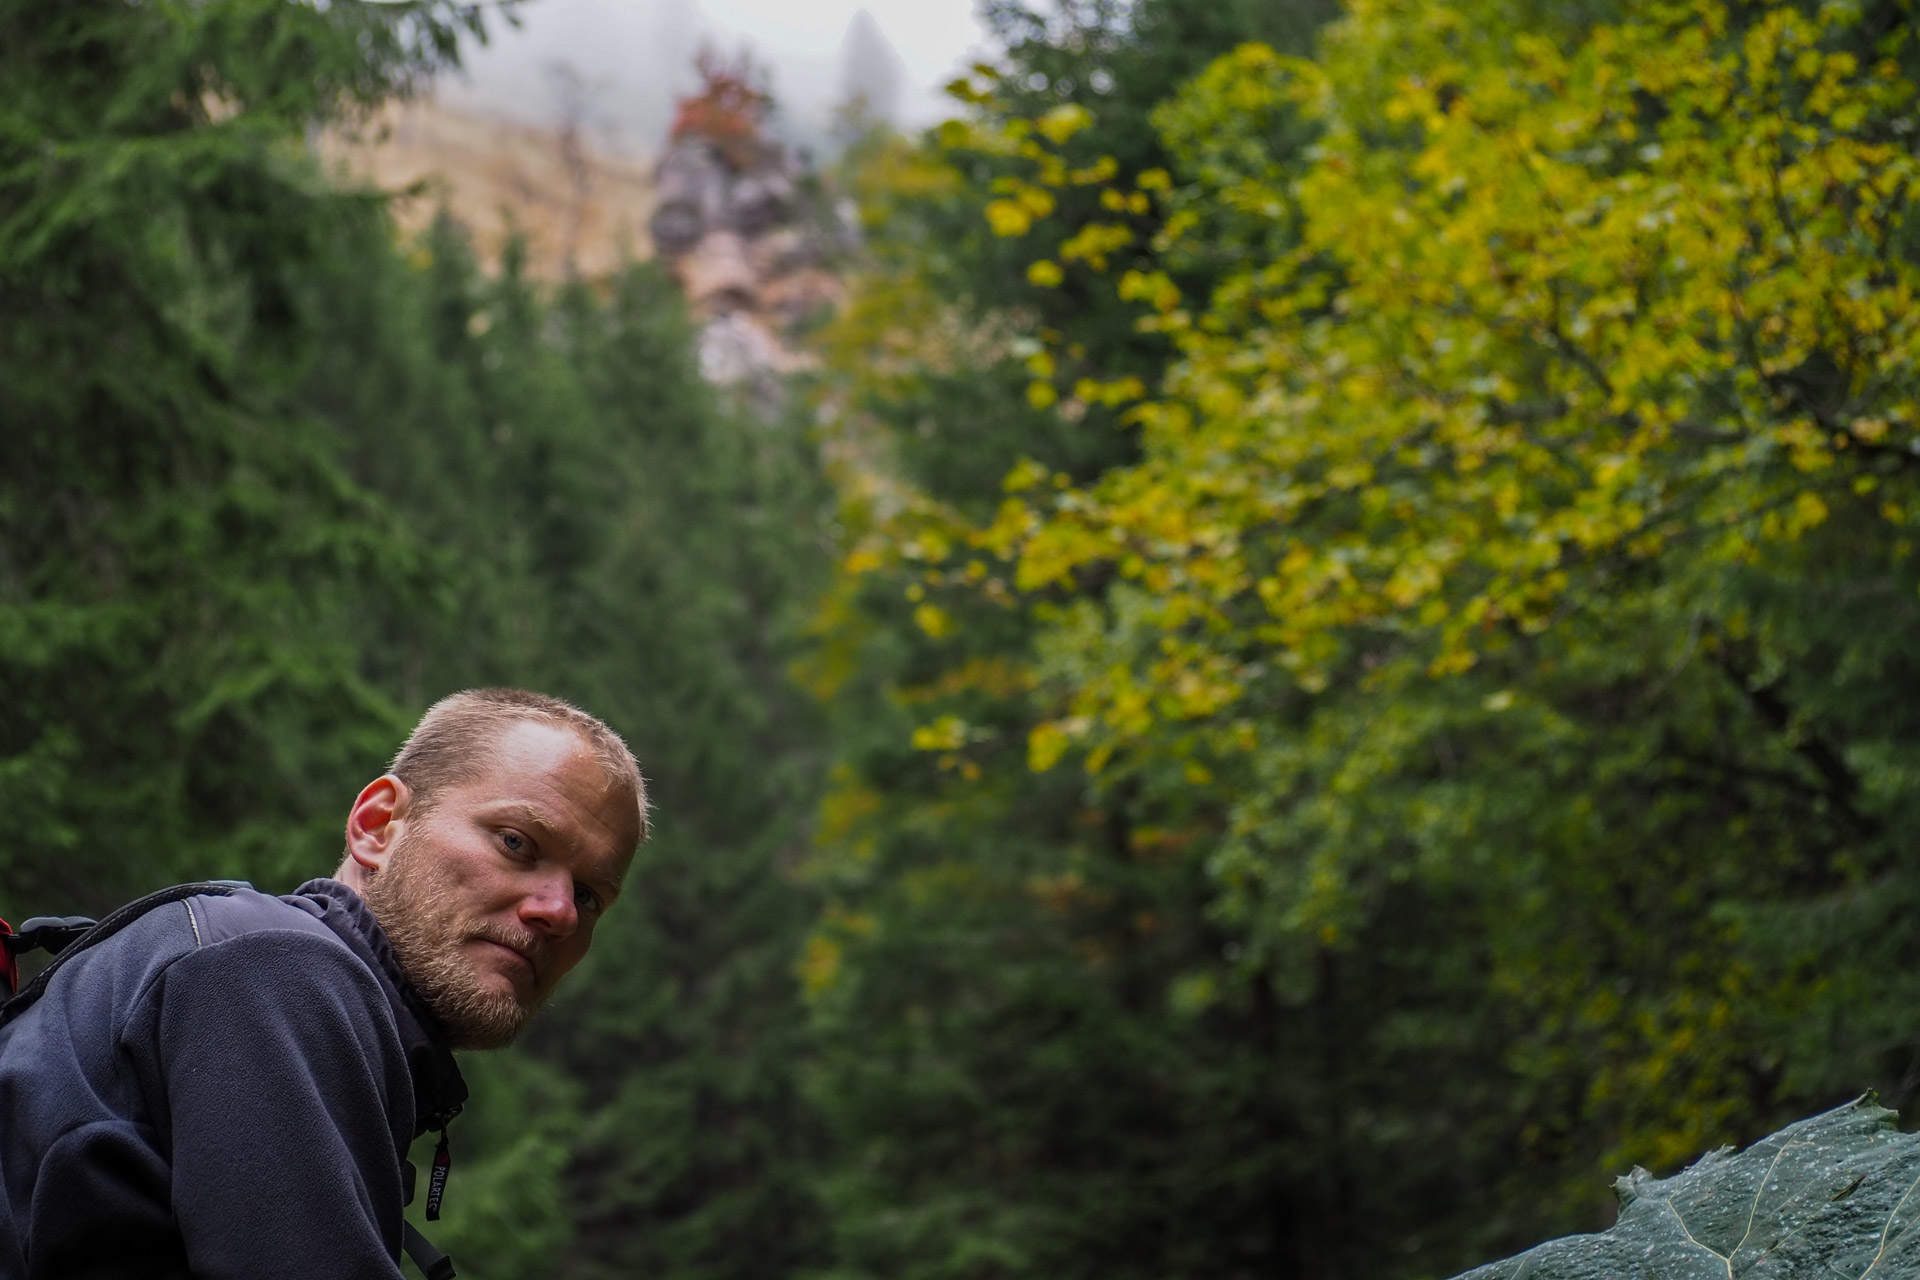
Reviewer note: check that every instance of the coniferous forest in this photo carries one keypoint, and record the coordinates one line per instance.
(1326, 658)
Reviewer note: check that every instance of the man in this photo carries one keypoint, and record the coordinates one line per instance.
(227, 1086)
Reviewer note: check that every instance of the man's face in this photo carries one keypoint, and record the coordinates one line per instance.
(490, 896)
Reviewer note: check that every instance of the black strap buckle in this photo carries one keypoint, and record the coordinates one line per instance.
(52, 934)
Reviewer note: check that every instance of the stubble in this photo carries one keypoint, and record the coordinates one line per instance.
(428, 938)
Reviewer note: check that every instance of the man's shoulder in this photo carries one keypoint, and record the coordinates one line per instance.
(216, 918)
(244, 938)
(174, 926)
(224, 926)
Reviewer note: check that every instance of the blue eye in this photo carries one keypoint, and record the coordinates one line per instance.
(513, 842)
(585, 899)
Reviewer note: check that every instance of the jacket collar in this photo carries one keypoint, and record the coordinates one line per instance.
(438, 1089)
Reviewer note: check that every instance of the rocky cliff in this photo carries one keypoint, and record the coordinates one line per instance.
(749, 232)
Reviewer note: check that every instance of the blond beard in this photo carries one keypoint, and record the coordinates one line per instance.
(427, 936)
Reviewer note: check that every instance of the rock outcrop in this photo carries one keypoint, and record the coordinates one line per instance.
(747, 231)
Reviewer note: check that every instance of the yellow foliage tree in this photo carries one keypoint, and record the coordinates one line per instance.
(1515, 362)
(1583, 305)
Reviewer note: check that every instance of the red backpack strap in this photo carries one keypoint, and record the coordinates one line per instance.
(9, 967)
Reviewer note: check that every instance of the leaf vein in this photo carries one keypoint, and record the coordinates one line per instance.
(1690, 1238)
(1758, 1192)
(1886, 1230)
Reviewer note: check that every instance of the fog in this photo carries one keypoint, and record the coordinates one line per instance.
(618, 65)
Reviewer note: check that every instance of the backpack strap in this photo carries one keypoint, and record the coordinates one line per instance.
(433, 1264)
(68, 936)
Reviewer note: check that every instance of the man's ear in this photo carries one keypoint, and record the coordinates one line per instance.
(375, 822)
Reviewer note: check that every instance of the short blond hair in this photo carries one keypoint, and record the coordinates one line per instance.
(450, 743)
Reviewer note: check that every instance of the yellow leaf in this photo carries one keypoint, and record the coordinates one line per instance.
(1809, 511)
(1063, 122)
(1045, 745)
(948, 733)
(819, 964)
(1008, 217)
(1036, 202)
(1099, 171)
(1026, 474)
(933, 620)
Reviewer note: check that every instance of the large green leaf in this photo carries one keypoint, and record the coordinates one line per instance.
(1832, 1196)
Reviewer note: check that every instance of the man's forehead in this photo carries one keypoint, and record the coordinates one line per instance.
(527, 757)
(549, 774)
(524, 747)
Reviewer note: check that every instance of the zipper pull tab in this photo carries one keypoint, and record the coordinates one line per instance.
(437, 1181)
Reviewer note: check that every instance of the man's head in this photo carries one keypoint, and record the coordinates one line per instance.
(491, 848)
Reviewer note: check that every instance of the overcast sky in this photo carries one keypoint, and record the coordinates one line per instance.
(632, 58)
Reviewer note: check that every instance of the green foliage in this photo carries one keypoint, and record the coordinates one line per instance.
(603, 531)
(1026, 1051)
(270, 483)
(1362, 685)
(1477, 667)
(1567, 435)
(176, 552)
(505, 1212)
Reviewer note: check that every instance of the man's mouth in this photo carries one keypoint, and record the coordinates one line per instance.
(523, 955)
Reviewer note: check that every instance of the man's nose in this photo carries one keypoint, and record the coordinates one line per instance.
(547, 906)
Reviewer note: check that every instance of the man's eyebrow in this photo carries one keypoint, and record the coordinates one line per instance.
(521, 812)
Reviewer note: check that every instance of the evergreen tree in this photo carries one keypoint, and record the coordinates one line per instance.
(180, 687)
(274, 482)
(606, 531)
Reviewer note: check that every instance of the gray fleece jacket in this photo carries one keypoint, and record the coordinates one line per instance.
(225, 1089)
